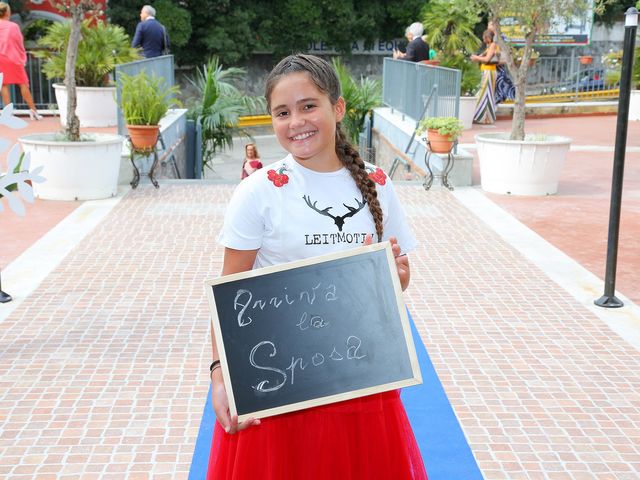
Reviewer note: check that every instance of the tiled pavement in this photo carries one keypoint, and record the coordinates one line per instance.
(103, 368)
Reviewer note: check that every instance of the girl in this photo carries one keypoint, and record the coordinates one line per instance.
(269, 220)
(486, 105)
(251, 160)
(13, 58)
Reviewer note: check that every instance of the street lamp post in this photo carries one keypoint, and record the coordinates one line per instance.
(609, 300)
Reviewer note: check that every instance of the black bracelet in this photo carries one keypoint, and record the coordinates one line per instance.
(213, 365)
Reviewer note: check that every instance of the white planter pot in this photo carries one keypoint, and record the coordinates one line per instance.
(634, 105)
(86, 170)
(467, 109)
(96, 105)
(529, 167)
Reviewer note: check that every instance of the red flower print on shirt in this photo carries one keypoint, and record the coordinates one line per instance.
(377, 175)
(278, 178)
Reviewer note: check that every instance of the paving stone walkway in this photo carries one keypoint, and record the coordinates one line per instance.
(103, 368)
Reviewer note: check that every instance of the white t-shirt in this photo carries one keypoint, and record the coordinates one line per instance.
(313, 213)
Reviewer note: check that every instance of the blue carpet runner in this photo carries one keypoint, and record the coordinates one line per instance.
(444, 448)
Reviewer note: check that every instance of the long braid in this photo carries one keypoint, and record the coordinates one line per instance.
(350, 158)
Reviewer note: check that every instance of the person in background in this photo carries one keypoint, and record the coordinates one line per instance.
(505, 89)
(418, 48)
(251, 160)
(266, 223)
(150, 34)
(13, 58)
(397, 52)
(486, 106)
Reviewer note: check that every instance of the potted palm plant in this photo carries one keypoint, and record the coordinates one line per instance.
(103, 46)
(218, 107)
(442, 132)
(75, 167)
(361, 98)
(144, 101)
(514, 163)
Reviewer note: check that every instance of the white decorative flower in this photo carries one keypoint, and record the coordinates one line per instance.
(18, 176)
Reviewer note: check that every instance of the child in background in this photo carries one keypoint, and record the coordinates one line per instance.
(268, 220)
(251, 160)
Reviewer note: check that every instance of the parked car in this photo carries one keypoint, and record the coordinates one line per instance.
(585, 80)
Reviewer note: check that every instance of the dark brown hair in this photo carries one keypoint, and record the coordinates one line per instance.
(325, 78)
(488, 33)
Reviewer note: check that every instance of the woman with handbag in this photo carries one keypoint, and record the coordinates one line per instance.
(505, 89)
(486, 106)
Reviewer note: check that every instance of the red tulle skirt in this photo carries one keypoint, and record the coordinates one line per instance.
(14, 74)
(365, 438)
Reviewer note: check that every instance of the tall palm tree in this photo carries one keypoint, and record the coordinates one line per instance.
(449, 26)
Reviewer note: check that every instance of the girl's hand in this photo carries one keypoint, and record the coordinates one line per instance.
(221, 407)
(402, 261)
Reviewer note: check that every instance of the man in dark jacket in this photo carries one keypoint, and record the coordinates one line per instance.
(150, 34)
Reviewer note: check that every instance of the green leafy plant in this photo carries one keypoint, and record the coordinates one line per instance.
(449, 26)
(219, 106)
(76, 10)
(145, 100)
(613, 62)
(518, 55)
(450, 30)
(448, 126)
(361, 98)
(102, 47)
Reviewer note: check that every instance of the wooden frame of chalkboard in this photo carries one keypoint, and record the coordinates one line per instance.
(312, 332)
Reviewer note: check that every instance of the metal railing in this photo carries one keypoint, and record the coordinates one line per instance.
(407, 85)
(41, 88)
(566, 75)
(162, 67)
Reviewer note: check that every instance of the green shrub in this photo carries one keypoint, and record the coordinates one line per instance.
(145, 100)
(360, 97)
(102, 47)
(447, 126)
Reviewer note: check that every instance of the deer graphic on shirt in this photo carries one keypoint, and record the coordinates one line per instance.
(338, 219)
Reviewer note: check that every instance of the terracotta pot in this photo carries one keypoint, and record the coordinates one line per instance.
(431, 62)
(143, 137)
(586, 60)
(439, 143)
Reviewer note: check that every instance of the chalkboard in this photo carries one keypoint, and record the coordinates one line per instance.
(312, 332)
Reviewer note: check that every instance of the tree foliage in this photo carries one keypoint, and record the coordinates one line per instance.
(76, 10)
(173, 15)
(102, 47)
(233, 30)
(450, 29)
(532, 18)
(449, 26)
(614, 11)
